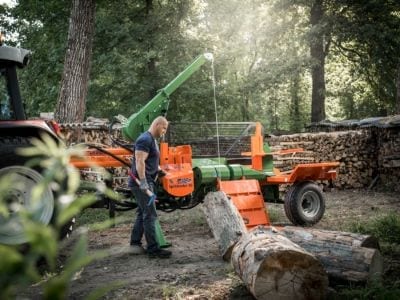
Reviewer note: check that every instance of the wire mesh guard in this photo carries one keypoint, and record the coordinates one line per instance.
(205, 138)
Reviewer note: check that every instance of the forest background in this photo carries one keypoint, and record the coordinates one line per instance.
(285, 63)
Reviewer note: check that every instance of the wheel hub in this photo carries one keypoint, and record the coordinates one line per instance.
(310, 204)
(19, 198)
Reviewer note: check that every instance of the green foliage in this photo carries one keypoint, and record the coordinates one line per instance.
(367, 34)
(386, 228)
(18, 270)
(41, 27)
(131, 59)
(261, 49)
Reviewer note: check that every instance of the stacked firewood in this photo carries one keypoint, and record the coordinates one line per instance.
(389, 157)
(353, 149)
(95, 133)
(87, 133)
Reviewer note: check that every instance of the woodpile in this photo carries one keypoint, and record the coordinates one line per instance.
(353, 149)
(290, 262)
(389, 157)
(96, 132)
(87, 133)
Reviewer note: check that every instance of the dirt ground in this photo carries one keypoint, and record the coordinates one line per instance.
(196, 270)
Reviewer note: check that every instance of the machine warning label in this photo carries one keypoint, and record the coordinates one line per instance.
(180, 182)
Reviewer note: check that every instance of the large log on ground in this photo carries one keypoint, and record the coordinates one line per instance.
(224, 220)
(273, 267)
(346, 256)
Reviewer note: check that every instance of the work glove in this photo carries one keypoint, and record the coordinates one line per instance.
(161, 174)
(144, 186)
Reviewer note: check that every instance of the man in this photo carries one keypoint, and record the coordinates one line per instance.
(145, 167)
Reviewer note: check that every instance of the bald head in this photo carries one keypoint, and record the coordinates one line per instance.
(158, 127)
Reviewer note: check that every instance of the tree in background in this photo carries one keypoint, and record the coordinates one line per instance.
(319, 47)
(398, 90)
(42, 27)
(263, 63)
(71, 105)
(367, 34)
(139, 47)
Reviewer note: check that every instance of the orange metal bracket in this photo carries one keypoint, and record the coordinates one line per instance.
(247, 197)
(257, 149)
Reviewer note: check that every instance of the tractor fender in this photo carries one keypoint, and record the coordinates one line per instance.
(29, 128)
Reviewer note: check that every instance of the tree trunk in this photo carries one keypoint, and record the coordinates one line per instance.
(318, 63)
(295, 123)
(71, 105)
(151, 70)
(225, 222)
(272, 267)
(347, 257)
(398, 90)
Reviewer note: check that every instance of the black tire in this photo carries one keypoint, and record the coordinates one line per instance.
(304, 204)
(18, 194)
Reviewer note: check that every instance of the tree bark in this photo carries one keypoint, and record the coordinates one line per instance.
(225, 222)
(273, 267)
(318, 63)
(71, 105)
(398, 90)
(347, 257)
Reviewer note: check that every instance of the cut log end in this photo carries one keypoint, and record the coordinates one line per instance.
(290, 275)
(275, 268)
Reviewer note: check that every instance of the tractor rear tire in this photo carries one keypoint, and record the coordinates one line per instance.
(304, 204)
(18, 194)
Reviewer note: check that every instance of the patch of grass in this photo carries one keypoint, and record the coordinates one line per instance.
(168, 291)
(376, 291)
(386, 228)
(91, 216)
(182, 218)
(274, 215)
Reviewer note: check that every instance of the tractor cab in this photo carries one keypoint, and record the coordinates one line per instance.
(11, 106)
(13, 120)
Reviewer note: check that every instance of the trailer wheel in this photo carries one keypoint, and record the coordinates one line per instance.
(304, 204)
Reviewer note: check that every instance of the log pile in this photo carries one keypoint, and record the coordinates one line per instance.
(290, 262)
(88, 132)
(95, 131)
(353, 149)
(389, 157)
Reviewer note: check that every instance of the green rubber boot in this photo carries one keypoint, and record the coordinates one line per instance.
(162, 242)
